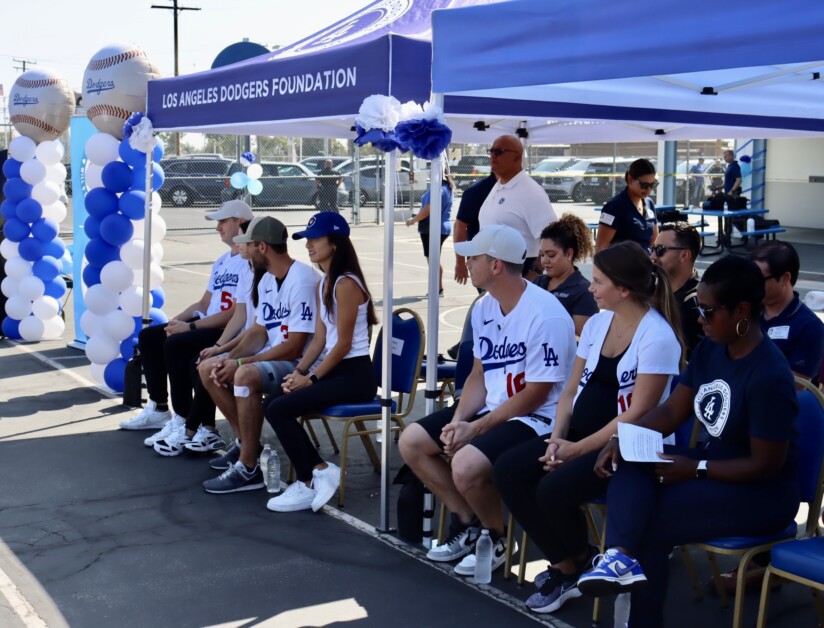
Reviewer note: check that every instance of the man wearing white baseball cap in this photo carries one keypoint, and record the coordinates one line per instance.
(524, 348)
(169, 350)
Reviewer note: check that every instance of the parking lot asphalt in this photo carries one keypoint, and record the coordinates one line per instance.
(98, 530)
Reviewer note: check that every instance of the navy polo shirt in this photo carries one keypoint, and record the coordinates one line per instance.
(732, 173)
(471, 201)
(573, 294)
(799, 335)
(621, 214)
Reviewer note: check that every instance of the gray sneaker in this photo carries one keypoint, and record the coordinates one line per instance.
(232, 455)
(234, 480)
(459, 544)
(555, 590)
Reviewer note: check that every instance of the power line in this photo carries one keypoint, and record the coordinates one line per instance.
(23, 63)
(177, 10)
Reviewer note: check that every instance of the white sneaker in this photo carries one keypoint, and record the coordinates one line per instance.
(171, 425)
(325, 482)
(173, 444)
(736, 233)
(297, 496)
(205, 440)
(149, 418)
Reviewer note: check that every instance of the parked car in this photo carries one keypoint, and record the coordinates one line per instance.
(543, 170)
(420, 165)
(372, 182)
(566, 181)
(713, 175)
(194, 179)
(315, 164)
(287, 183)
(604, 178)
(469, 169)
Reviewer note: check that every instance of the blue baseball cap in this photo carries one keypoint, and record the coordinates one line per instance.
(323, 224)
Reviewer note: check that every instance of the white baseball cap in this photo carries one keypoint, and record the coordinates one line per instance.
(498, 241)
(232, 209)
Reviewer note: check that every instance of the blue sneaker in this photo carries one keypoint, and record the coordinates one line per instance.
(615, 573)
(556, 589)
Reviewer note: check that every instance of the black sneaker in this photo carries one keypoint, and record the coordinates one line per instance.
(221, 463)
(235, 479)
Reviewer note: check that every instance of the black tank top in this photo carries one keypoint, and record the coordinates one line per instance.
(596, 405)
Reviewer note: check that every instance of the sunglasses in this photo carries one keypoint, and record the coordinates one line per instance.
(646, 186)
(661, 249)
(707, 312)
(499, 151)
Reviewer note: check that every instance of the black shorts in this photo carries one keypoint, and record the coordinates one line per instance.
(491, 444)
(425, 242)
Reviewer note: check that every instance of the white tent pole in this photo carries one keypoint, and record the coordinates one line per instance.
(390, 164)
(147, 240)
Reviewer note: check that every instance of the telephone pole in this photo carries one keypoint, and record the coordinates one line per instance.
(23, 63)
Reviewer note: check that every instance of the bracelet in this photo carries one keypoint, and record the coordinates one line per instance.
(615, 436)
(240, 361)
(217, 346)
(192, 326)
(303, 372)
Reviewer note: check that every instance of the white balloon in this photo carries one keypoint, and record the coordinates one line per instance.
(32, 171)
(131, 300)
(31, 328)
(158, 228)
(139, 227)
(100, 300)
(31, 288)
(132, 254)
(18, 268)
(94, 176)
(157, 202)
(50, 152)
(90, 323)
(22, 148)
(254, 171)
(157, 252)
(155, 276)
(118, 325)
(101, 349)
(116, 276)
(54, 328)
(8, 249)
(18, 306)
(97, 371)
(45, 307)
(56, 173)
(9, 286)
(56, 211)
(45, 192)
(102, 148)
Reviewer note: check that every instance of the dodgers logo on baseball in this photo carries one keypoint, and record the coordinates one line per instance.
(41, 104)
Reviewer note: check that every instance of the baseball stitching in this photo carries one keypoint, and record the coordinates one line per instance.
(107, 110)
(29, 84)
(36, 122)
(108, 62)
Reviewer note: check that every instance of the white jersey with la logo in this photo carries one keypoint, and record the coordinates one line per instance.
(288, 305)
(224, 281)
(535, 342)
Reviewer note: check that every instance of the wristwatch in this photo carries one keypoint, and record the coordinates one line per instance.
(314, 378)
(701, 470)
(192, 326)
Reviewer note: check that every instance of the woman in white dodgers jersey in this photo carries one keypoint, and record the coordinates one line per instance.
(344, 375)
(625, 362)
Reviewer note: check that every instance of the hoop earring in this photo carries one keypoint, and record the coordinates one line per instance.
(740, 333)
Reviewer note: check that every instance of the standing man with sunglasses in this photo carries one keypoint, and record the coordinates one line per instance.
(676, 249)
(516, 200)
(630, 214)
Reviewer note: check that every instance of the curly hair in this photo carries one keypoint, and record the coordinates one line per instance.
(570, 232)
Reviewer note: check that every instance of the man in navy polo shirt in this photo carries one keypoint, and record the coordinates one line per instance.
(796, 330)
(732, 175)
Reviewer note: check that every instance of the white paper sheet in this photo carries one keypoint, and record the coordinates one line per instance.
(639, 444)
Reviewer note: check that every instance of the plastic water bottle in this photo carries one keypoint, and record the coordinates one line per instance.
(270, 467)
(622, 603)
(750, 224)
(726, 206)
(483, 559)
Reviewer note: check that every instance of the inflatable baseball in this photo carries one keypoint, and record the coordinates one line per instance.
(41, 104)
(114, 86)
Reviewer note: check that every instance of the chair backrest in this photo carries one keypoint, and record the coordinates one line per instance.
(810, 425)
(407, 351)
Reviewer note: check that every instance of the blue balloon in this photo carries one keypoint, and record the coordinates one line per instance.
(139, 178)
(116, 229)
(158, 177)
(117, 176)
(29, 210)
(91, 275)
(132, 204)
(157, 153)
(158, 316)
(100, 253)
(131, 156)
(239, 180)
(8, 209)
(30, 249)
(16, 230)
(114, 374)
(127, 347)
(56, 288)
(15, 189)
(92, 227)
(11, 168)
(158, 297)
(56, 249)
(47, 268)
(138, 326)
(45, 230)
(101, 202)
(11, 326)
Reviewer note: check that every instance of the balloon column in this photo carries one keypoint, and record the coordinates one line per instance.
(250, 178)
(113, 271)
(40, 105)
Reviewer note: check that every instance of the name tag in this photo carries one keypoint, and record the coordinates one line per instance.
(779, 333)
(397, 346)
(606, 219)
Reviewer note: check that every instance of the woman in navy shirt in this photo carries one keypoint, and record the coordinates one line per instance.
(742, 482)
(630, 215)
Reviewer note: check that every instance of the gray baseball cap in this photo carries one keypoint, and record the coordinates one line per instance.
(232, 209)
(263, 229)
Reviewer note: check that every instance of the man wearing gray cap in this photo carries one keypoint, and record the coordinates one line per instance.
(169, 350)
(259, 359)
(524, 348)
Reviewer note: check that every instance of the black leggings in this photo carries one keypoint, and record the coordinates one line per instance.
(548, 505)
(174, 357)
(351, 381)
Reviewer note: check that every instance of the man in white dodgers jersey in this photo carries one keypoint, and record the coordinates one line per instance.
(168, 350)
(524, 348)
(259, 359)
